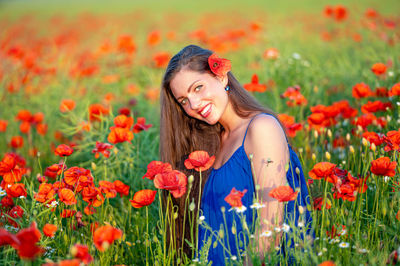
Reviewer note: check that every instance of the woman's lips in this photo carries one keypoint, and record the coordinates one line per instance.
(205, 111)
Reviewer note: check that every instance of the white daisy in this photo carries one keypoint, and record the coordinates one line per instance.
(266, 233)
(2, 193)
(257, 206)
(285, 228)
(363, 250)
(344, 245)
(277, 229)
(300, 224)
(233, 258)
(240, 209)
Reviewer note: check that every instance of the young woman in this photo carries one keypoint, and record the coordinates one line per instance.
(203, 107)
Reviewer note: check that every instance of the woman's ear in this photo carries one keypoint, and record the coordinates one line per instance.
(223, 79)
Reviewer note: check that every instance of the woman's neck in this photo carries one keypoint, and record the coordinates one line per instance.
(230, 120)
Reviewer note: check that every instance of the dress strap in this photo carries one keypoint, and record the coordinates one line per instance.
(245, 134)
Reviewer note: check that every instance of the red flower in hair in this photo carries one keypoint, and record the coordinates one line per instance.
(219, 66)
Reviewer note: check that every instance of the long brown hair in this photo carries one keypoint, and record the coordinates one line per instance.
(181, 134)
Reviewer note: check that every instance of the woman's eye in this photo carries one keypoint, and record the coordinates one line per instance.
(198, 88)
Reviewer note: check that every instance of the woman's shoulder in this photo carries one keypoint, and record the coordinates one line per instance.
(265, 128)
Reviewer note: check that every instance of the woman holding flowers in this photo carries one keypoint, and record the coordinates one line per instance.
(204, 107)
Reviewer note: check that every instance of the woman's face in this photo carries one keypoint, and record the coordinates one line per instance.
(202, 95)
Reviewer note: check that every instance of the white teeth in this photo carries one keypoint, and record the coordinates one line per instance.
(205, 110)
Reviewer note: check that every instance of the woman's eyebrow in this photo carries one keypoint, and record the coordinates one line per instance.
(188, 88)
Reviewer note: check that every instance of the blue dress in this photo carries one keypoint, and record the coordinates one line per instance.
(236, 172)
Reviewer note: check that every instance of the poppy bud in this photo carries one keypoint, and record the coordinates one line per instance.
(190, 179)
(348, 136)
(221, 233)
(233, 230)
(175, 215)
(301, 209)
(301, 150)
(315, 134)
(351, 148)
(329, 133)
(364, 142)
(94, 166)
(297, 170)
(373, 147)
(192, 206)
(223, 209)
(328, 156)
(313, 157)
(215, 244)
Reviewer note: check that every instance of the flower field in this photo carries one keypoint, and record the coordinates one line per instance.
(81, 179)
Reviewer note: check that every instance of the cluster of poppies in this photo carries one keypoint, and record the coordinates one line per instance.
(122, 130)
(164, 177)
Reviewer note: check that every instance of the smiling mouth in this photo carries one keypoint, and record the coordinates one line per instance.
(205, 111)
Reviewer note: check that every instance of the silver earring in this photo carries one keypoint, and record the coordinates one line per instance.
(227, 88)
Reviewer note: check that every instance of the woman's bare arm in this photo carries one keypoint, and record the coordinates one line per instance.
(270, 155)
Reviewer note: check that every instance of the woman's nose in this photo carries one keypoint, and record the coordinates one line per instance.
(194, 103)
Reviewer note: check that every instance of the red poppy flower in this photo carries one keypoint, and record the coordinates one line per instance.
(108, 189)
(67, 213)
(290, 125)
(294, 96)
(199, 160)
(364, 120)
(28, 237)
(93, 196)
(81, 252)
(378, 68)
(63, 150)
(373, 137)
(49, 230)
(392, 140)
(46, 193)
(16, 212)
(16, 190)
(42, 129)
(283, 193)
(143, 198)
(254, 85)
(96, 111)
(10, 170)
(118, 135)
(219, 66)
(105, 236)
(271, 53)
(67, 196)
(361, 90)
(157, 167)
(6, 238)
(340, 13)
(121, 188)
(17, 142)
(395, 90)
(123, 121)
(161, 59)
(67, 105)
(24, 115)
(75, 175)
(320, 203)
(126, 44)
(141, 125)
(154, 38)
(54, 170)
(234, 199)
(383, 167)
(322, 170)
(173, 181)
(3, 125)
(25, 127)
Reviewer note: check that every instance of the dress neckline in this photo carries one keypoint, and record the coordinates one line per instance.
(233, 154)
